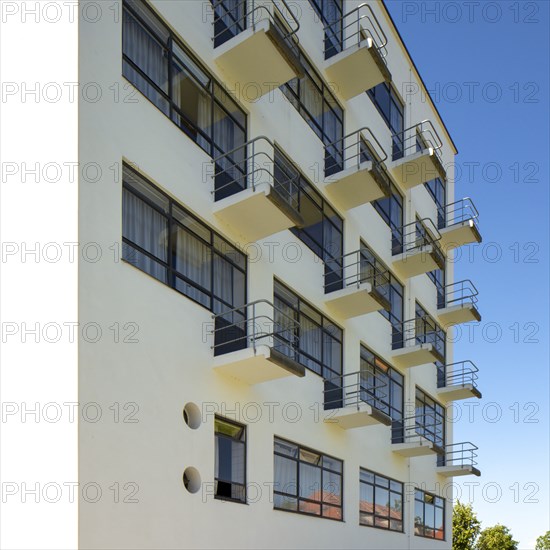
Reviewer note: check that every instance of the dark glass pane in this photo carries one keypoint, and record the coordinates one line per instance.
(229, 19)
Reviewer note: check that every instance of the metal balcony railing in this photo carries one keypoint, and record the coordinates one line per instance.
(353, 27)
(234, 16)
(416, 138)
(355, 268)
(255, 324)
(458, 212)
(356, 389)
(414, 236)
(457, 374)
(414, 429)
(461, 293)
(420, 330)
(461, 455)
(253, 163)
(354, 149)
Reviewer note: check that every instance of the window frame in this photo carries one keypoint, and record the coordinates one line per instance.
(324, 320)
(423, 501)
(439, 277)
(374, 485)
(213, 87)
(245, 465)
(171, 272)
(322, 469)
(432, 187)
(439, 332)
(442, 416)
(395, 322)
(391, 373)
(395, 201)
(336, 38)
(324, 208)
(329, 104)
(394, 102)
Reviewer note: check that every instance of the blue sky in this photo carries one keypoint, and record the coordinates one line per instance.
(488, 65)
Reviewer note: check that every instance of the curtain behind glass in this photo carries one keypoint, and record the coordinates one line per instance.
(285, 475)
(193, 259)
(148, 229)
(311, 340)
(150, 56)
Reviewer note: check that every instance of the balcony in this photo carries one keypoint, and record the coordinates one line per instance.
(459, 460)
(418, 435)
(416, 249)
(418, 341)
(355, 286)
(254, 192)
(458, 381)
(358, 399)
(255, 42)
(357, 174)
(459, 224)
(256, 343)
(355, 52)
(457, 303)
(417, 156)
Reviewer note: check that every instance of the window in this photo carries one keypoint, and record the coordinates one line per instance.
(391, 210)
(163, 239)
(230, 460)
(427, 331)
(319, 339)
(391, 108)
(436, 189)
(429, 515)
(430, 418)
(164, 71)
(381, 501)
(330, 13)
(307, 481)
(390, 398)
(438, 279)
(323, 229)
(230, 17)
(393, 290)
(313, 99)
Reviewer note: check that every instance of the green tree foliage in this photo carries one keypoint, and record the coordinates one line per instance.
(466, 527)
(543, 542)
(497, 537)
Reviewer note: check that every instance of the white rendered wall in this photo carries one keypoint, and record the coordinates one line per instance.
(171, 364)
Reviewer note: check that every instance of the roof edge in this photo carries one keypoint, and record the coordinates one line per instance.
(409, 56)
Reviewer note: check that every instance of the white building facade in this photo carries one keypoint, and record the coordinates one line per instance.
(280, 213)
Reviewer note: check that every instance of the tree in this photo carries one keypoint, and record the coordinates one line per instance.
(497, 537)
(466, 527)
(543, 542)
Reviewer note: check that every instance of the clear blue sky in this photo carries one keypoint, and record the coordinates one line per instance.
(500, 122)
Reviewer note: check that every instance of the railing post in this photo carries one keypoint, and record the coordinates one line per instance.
(254, 327)
(251, 170)
(358, 394)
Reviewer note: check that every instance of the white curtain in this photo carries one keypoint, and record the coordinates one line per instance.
(285, 475)
(192, 258)
(150, 56)
(311, 342)
(147, 228)
(310, 481)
